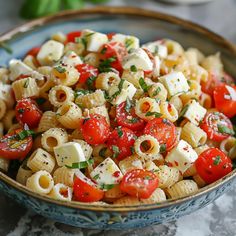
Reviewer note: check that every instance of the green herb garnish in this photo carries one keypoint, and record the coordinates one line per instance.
(158, 90)
(103, 51)
(81, 165)
(120, 87)
(217, 160)
(80, 92)
(225, 130)
(128, 105)
(183, 111)
(26, 84)
(102, 152)
(107, 186)
(119, 131)
(128, 42)
(40, 101)
(163, 148)
(143, 85)
(60, 69)
(105, 65)
(90, 82)
(133, 68)
(153, 113)
(25, 133)
(115, 150)
(97, 176)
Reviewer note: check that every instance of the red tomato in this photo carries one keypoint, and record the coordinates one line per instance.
(164, 131)
(139, 183)
(86, 191)
(217, 126)
(27, 112)
(225, 99)
(114, 50)
(125, 116)
(13, 147)
(110, 35)
(120, 142)
(209, 86)
(33, 52)
(72, 36)
(86, 71)
(213, 164)
(95, 129)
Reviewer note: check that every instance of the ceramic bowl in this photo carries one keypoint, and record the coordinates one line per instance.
(146, 25)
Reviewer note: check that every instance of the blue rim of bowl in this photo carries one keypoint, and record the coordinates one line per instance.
(127, 11)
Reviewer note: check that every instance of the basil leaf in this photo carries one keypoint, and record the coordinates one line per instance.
(107, 186)
(119, 131)
(143, 85)
(133, 68)
(225, 130)
(105, 65)
(158, 90)
(80, 92)
(120, 87)
(90, 82)
(217, 160)
(115, 150)
(156, 114)
(25, 133)
(81, 165)
(60, 69)
(128, 43)
(163, 148)
(26, 84)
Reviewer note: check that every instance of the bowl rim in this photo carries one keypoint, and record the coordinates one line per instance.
(127, 11)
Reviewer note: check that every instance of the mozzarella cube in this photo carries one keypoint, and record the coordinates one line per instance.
(195, 112)
(71, 59)
(94, 40)
(129, 41)
(175, 83)
(107, 172)
(121, 94)
(157, 49)
(17, 68)
(139, 59)
(50, 52)
(182, 156)
(69, 153)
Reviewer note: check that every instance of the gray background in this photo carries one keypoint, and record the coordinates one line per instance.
(217, 219)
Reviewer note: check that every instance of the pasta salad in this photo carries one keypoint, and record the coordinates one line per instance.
(94, 117)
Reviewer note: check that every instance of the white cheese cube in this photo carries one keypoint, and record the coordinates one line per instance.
(6, 94)
(71, 59)
(94, 40)
(139, 59)
(232, 93)
(129, 41)
(182, 156)
(156, 48)
(17, 68)
(50, 52)
(69, 153)
(107, 172)
(195, 112)
(121, 94)
(175, 83)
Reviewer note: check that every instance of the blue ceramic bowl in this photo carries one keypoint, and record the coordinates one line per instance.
(147, 26)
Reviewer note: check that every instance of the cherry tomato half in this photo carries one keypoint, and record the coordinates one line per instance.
(163, 130)
(120, 142)
(86, 191)
(139, 183)
(125, 116)
(13, 147)
(217, 126)
(72, 36)
(33, 51)
(225, 99)
(213, 164)
(95, 129)
(114, 50)
(27, 112)
(209, 86)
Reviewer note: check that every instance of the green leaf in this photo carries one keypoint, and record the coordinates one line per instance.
(90, 82)
(154, 113)
(80, 92)
(225, 130)
(40, 101)
(133, 68)
(37, 8)
(158, 90)
(81, 165)
(128, 43)
(163, 148)
(98, 1)
(102, 152)
(107, 186)
(26, 84)
(60, 69)
(119, 131)
(217, 160)
(105, 65)
(143, 85)
(115, 150)
(73, 4)
(6, 47)
(25, 133)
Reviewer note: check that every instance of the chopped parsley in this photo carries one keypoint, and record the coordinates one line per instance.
(163, 148)
(133, 68)
(128, 42)
(147, 177)
(60, 69)
(21, 110)
(97, 176)
(158, 90)
(217, 160)
(115, 150)
(225, 130)
(81, 40)
(81, 165)
(119, 131)
(90, 82)
(132, 149)
(107, 186)
(25, 133)
(153, 113)
(120, 87)
(80, 92)
(105, 65)
(143, 85)
(26, 84)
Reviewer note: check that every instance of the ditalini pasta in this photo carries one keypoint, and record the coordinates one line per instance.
(102, 119)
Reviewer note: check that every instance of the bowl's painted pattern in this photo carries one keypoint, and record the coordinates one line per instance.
(147, 26)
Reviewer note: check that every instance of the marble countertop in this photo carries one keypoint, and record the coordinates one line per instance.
(217, 219)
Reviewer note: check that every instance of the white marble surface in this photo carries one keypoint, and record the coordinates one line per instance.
(217, 219)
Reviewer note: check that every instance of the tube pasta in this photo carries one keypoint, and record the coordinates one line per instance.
(199, 181)
(173, 47)
(114, 193)
(227, 144)
(41, 160)
(3, 108)
(182, 188)
(193, 93)
(158, 90)
(130, 163)
(168, 111)
(101, 150)
(1, 129)
(147, 147)
(40, 182)
(69, 115)
(78, 48)
(191, 171)
(92, 59)
(9, 119)
(167, 176)
(193, 134)
(105, 80)
(23, 174)
(146, 105)
(59, 36)
(201, 149)
(76, 134)
(198, 73)
(60, 95)
(91, 100)
(53, 138)
(205, 100)
(64, 175)
(30, 61)
(177, 103)
(61, 192)
(48, 121)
